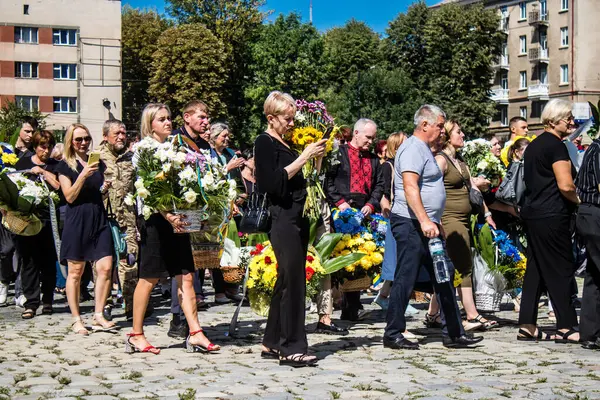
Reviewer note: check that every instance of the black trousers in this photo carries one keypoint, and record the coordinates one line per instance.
(551, 267)
(289, 235)
(412, 252)
(39, 259)
(7, 251)
(588, 227)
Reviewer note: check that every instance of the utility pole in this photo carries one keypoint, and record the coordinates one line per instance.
(310, 12)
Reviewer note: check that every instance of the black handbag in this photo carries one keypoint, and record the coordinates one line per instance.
(512, 189)
(475, 196)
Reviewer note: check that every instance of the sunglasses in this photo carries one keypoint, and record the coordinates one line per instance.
(82, 139)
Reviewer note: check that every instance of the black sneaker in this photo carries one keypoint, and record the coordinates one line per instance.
(181, 330)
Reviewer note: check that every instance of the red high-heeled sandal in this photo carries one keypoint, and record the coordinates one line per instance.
(130, 348)
(192, 348)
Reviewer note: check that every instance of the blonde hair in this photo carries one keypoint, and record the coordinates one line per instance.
(448, 126)
(277, 103)
(148, 116)
(555, 110)
(193, 106)
(394, 141)
(69, 152)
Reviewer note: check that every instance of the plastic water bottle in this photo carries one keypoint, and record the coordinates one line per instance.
(440, 260)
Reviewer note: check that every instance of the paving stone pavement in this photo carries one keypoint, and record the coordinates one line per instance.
(42, 359)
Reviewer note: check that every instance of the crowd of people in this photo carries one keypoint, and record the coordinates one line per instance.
(418, 181)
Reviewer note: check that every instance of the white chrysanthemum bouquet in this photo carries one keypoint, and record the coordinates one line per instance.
(478, 156)
(173, 177)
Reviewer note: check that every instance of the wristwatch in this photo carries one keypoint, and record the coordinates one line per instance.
(487, 214)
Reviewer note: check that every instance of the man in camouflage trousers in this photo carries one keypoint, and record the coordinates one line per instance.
(120, 172)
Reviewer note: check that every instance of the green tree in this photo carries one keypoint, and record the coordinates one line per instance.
(11, 117)
(236, 23)
(139, 35)
(287, 56)
(448, 53)
(189, 64)
(349, 50)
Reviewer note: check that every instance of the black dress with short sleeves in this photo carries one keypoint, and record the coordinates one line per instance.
(86, 235)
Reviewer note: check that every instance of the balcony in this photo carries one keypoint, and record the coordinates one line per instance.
(538, 55)
(502, 63)
(503, 25)
(537, 18)
(539, 92)
(500, 95)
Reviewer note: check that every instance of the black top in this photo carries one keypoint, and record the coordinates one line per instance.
(542, 196)
(201, 143)
(26, 162)
(90, 192)
(387, 169)
(23, 153)
(588, 178)
(271, 157)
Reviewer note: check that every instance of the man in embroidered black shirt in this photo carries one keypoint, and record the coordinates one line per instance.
(588, 227)
(196, 124)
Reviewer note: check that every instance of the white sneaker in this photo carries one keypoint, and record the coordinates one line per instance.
(3, 294)
(20, 301)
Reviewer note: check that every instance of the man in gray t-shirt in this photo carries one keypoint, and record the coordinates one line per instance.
(419, 203)
(415, 156)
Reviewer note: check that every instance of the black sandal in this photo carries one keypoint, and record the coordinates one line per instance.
(28, 314)
(485, 326)
(431, 321)
(271, 354)
(47, 309)
(298, 361)
(564, 337)
(525, 336)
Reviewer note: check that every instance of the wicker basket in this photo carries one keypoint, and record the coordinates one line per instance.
(206, 255)
(22, 225)
(233, 274)
(356, 285)
(489, 302)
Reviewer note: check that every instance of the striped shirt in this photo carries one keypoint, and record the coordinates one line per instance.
(588, 179)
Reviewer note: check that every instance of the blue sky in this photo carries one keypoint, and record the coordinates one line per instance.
(326, 13)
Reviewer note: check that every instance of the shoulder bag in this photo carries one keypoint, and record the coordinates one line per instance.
(512, 189)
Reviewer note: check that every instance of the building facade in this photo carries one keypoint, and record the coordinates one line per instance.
(550, 51)
(62, 57)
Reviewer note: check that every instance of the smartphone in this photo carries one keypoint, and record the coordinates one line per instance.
(327, 134)
(93, 158)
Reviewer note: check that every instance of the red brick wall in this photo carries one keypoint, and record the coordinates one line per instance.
(5, 98)
(45, 35)
(46, 70)
(46, 104)
(7, 34)
(7, 69)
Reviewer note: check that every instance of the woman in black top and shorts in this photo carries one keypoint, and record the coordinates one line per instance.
(164, 251)
(279, 173)
(86, 235)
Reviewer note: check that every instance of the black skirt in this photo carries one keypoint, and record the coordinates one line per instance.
(86, 235)
(163, 252)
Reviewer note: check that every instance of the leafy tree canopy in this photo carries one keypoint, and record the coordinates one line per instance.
(11, 120)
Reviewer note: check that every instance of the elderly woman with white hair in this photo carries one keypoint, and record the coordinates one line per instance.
(550, 200)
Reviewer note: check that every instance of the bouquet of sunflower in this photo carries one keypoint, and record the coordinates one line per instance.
(481, 162)
(311, 122)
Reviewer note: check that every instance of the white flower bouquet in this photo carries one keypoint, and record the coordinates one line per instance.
(481, 162)
(172, 177)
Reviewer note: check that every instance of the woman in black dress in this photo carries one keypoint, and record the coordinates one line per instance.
(164, 251)
(86, 235)
(279, 173)
(38, 255)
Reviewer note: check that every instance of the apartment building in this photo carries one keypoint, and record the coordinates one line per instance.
(62, 57)
(550, 51)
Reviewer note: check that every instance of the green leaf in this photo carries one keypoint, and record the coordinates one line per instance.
(313, 231)
(232, 233)
(256, 238)
(486, 245)
(327, 244)
(335, 264)
(595, 113)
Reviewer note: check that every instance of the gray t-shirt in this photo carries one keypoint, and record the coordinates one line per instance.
(415, 156)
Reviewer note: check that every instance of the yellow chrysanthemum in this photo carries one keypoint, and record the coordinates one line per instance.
(9, 159)
(377, 258)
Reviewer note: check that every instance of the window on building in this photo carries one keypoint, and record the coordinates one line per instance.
(564, 73)
(523, 80)
(564, 5)
(26, 69)
(523, 44)
(65, 71)
(25, 9)
(26, 35)
(504, 115)
(64, 37)
(522, 10)
(27, 103)
(523, 112)
(543, 71)
(504, 80)
(543, 10)
(65, 104)
(564, 36)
